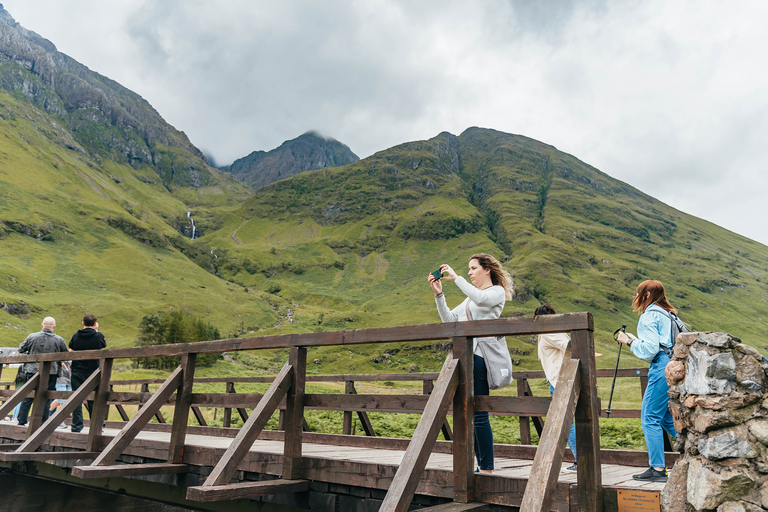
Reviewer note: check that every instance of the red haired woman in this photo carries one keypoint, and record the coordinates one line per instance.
(653, 343)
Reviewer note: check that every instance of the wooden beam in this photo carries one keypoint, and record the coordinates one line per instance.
(9, 447)
(546, 465)
(140, 419)
(39, 436)
(227, 421)
(501, 327)
(181, 410)
(346, 426)
(227, 465)
(39, 402)
(464, 423)
(19, 395)
(525, 424)
(456, 507)
(246, 490)
(294, 414)
(100, 411)
(42, 456)
(400, 493)
(199, 416)
(589, 471)
(128, 470)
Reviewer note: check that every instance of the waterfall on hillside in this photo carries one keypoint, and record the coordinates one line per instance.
(189, 216)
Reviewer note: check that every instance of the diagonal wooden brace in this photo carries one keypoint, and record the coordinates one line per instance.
(142, 417)
(40, 435)
(404, 484)
(540, 489)
(18, 396)
(228, 463)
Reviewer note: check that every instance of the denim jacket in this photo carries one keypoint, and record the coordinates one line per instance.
(653, 331)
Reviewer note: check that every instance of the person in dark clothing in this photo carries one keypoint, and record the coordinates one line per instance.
(41, 342)
(87, 338)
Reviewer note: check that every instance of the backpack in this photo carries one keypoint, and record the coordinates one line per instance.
(676, 327)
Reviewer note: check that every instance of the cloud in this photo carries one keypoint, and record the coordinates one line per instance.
(667, 96)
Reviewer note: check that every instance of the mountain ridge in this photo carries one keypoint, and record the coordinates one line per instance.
(307, 152)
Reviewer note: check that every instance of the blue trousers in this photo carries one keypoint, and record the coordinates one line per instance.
(26, 404)
(483, 433)
(655, 415)
(572, 433)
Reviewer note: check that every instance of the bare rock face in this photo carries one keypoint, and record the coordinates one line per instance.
(719, 403)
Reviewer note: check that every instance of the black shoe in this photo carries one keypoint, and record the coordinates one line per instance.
(571, 468)
(651, 475)
(21, 424)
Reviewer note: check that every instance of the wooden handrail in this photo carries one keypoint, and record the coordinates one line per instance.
(453, 388)
(502, 327)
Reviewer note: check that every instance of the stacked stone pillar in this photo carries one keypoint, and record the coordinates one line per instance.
(719, 402)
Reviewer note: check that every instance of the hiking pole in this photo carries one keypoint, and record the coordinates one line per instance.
(610, 399)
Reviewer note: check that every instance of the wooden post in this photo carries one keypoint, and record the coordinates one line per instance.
(294, 414)
(588, 472)
(100, 406)
(525, 424)
(38, 405)
(227, 421)
(464, 423)
(349, 387)
(181, 409)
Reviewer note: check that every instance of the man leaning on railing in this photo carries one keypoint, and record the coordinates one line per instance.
(40, 343)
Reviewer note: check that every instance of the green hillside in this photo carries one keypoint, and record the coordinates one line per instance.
(351, 247)
(98, 195)
(79, 235)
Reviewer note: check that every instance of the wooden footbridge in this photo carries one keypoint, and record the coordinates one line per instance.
(251, 462)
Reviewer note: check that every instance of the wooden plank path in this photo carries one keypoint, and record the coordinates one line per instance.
(374, 467)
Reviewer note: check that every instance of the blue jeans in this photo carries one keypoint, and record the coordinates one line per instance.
(655, 415)
(483, 433)
(26, 404)
(572, 433)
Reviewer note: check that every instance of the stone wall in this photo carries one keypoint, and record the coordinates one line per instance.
(719, 402)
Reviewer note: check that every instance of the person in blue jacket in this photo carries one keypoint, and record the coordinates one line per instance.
(653, 343)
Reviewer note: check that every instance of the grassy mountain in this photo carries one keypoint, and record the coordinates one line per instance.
(98, 195)
(95, 193)
(352, 246)
(307, 152)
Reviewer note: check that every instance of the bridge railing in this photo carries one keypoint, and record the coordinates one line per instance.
(575, 397)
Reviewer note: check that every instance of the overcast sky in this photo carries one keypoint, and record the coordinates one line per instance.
(671, 97)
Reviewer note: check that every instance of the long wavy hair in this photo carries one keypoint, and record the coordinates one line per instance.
(499, 276)
(651, 292)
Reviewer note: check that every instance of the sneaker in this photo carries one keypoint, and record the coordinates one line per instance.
(21, 424)
(62, 426)
(651, 475)
(571, 468)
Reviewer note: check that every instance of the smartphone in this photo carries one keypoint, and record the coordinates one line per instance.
(437, 274)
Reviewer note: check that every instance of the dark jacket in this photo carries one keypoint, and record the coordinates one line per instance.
(86, 339)
(42, 342)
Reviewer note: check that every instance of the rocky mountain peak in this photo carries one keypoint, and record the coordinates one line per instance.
(107, 120)
(307, 152)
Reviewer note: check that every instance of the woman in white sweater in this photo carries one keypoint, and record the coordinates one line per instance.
(491, 286)
(552, 349)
